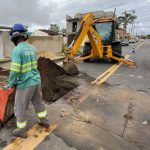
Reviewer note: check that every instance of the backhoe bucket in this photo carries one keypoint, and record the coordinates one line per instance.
(70, 67)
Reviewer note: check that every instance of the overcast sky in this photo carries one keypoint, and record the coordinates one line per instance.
(40, 13)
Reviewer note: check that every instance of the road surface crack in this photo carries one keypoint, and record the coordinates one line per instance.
(127, 117)
(94, 124)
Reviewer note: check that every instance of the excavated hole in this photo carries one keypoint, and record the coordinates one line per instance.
(53, 84)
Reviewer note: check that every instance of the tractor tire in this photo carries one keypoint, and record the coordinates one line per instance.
(86, 51)
(117, 51)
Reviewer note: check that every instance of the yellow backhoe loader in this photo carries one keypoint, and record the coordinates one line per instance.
(101, 35)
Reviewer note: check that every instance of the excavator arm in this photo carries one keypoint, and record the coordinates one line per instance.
(86, 29)
(96, 44)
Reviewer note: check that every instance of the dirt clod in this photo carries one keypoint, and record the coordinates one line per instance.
(129, 116)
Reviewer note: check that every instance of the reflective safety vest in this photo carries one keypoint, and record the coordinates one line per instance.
(23, 70)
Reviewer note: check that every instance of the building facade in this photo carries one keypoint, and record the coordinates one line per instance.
(74, 23)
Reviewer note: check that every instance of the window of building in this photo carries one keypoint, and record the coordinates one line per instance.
(74, 27)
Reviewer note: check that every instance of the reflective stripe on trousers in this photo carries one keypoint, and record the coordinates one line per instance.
(42, 114)
(21, 124)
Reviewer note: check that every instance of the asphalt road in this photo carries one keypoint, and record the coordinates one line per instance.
(137, 78)
(114, 116)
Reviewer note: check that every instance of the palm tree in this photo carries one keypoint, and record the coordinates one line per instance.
(126, 19)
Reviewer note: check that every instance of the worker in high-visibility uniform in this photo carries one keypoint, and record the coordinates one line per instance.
(25, 77)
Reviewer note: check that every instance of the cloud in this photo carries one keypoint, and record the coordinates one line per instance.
(40, 13)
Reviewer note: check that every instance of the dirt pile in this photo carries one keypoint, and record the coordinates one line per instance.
(53, 84)
(48, 54)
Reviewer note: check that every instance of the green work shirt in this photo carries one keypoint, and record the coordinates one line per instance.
(23, 70)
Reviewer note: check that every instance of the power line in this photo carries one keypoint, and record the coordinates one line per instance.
(33, 12)
(39, 11)
(60, 19)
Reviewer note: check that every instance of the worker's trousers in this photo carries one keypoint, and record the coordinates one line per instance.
(22, 100)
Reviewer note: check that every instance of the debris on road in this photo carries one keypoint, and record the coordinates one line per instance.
(129, 116)
(64, 113)
(146, 122)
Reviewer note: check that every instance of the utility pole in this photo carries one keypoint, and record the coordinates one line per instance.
(137, 28)
(132, 28)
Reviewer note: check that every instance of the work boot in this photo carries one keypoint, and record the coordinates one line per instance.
(44, 122)
(20, 133)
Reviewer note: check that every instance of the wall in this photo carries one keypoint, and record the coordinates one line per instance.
(1, 46)
(42, 43)
(47, 43)
(65, 40)
(70, 34)
(70, 25)
(5, 45)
